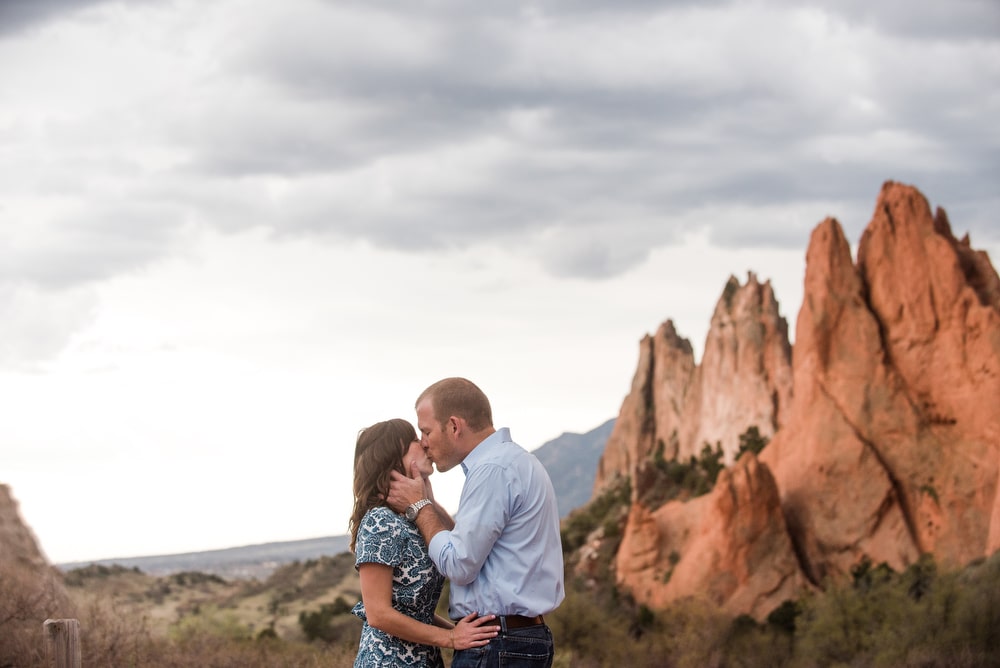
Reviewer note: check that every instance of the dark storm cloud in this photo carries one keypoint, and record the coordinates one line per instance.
(957, 19)
(19, 15)
(605, 130)
(472, 75)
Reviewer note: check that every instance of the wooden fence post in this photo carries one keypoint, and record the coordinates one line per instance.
(62, 642)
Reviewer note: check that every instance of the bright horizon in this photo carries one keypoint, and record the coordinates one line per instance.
(231, 235)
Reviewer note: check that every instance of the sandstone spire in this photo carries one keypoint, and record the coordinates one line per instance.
(892, 447)
(676, 407)
(745, 376)
(652, 411)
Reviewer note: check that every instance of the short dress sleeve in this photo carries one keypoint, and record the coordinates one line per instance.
(381, 536)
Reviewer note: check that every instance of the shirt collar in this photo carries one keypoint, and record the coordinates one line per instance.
(481, 451)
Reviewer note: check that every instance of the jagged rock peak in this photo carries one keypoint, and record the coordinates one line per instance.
(675, 407)
(668, 334)
(897, 383)
(745, 376)
(650, 413)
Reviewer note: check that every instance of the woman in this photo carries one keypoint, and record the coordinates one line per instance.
(400, 586)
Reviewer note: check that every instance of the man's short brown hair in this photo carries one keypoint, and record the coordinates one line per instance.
(459, 397)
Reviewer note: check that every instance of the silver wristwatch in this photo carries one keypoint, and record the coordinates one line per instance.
(414, 508)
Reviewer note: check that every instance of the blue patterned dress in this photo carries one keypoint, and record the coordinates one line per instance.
(387, 538)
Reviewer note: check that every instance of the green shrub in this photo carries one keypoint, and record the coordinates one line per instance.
(320, 625)
(783, 617)
(918, 617)
(605, 510)
(878, 618)
(751, 441)
(664, 480)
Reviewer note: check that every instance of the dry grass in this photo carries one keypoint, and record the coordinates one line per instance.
(26, 601)
(129, 618)
(918, 618)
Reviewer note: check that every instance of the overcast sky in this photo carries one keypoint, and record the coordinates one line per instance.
(232, 233)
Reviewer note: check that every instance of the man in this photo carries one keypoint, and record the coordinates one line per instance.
(503, 555)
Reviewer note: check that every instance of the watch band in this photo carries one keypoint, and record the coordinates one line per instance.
(414, 509)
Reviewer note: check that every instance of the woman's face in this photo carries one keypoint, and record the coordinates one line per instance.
(416, 453)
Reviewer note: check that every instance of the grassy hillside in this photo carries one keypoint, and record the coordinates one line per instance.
(300, 617)
(189, 598)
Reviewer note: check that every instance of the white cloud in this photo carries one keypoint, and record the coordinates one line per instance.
(37, 325)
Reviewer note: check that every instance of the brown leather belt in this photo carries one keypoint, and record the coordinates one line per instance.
(518, 621)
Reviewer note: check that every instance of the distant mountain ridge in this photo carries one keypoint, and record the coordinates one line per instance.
(571, 461)
(247, 561)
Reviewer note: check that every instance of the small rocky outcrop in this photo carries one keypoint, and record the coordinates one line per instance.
(730, 546)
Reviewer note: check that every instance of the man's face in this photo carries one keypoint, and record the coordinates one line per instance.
(434, 436)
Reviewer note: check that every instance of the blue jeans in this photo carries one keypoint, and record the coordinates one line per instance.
(529, 647)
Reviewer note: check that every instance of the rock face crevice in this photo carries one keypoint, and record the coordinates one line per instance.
(898, 495)
(888, 448)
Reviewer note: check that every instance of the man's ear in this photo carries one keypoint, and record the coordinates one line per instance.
(455, 424)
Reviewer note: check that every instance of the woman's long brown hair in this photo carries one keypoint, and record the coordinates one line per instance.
(379, 450)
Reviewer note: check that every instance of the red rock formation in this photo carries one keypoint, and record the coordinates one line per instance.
(840, 501)
(745, 375)
(676, 407)
(890, 447)
(730, 546)
(652, 411)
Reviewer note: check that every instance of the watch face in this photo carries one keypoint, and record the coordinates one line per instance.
(414, 508)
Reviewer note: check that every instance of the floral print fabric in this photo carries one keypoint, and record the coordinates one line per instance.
(389, 539)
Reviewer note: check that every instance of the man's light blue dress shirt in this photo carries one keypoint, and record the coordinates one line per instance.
(504, 555)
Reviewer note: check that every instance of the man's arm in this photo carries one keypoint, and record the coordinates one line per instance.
(404, 491)
(430, 522)
(460, 552)
(447, 521)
